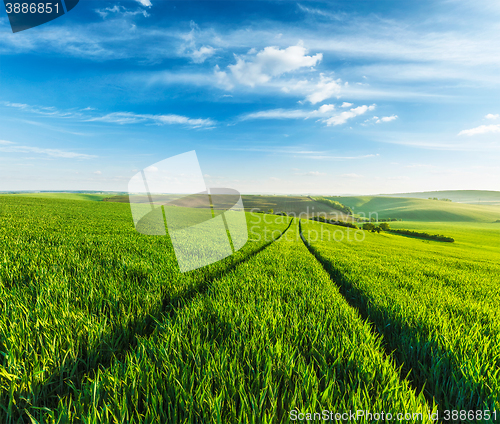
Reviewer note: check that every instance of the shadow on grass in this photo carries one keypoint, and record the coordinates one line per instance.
(428, 368)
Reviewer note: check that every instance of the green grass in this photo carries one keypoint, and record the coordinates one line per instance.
(271, 335)
(436, 304)
(99, 326)
(409, 209)
(78, 285)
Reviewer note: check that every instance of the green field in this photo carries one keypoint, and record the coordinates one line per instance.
(99, 325)
(435, 304)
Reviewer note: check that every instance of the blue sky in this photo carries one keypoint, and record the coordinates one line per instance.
(275, 97)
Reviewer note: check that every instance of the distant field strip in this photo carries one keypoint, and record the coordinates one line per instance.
(271, 335)
(436, 305)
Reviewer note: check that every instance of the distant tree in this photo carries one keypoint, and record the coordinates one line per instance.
(368, 226)
(384, 226)
(270, 211)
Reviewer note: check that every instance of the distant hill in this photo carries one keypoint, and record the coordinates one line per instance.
(413, 209)
(297, 205)
(70, 195)
(477, 197)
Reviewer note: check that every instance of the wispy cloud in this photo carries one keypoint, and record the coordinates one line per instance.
(114, 117)
(311, 174)
(343, 117)
(492, 116)
(351, 175)
(12, 147)
(330, 157)
(191, 48)
(42, 110)
(322, 13)
(134, 118)
(120, 10)
(326, 114)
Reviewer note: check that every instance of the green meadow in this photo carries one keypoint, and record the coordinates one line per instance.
(99, 326)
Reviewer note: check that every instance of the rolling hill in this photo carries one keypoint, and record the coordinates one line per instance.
(411, 209)
(477, 197)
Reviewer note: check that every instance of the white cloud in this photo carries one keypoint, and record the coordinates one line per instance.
(326, 108)
(343, 117)
(345, 104)
(145, 3)
(222, 78)
(190, 46)
(98, 172)
(324, 89)
(482, 129)
(199, 56)
(271, 62)
(386, 119)
(492, 116)
(12, 147)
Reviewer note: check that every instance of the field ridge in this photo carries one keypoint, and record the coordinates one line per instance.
(350, 296)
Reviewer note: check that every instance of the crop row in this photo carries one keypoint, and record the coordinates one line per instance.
(435, 305)
(78, 286)
(271, 336)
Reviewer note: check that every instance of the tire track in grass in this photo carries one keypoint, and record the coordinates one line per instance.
(446, 345)
(271, 336)
(60, 384)
(350, 294)
(170, 304)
